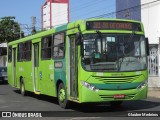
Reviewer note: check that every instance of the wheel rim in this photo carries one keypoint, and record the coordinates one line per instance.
(62, 95)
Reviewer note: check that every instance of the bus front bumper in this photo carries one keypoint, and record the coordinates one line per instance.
(88, 95)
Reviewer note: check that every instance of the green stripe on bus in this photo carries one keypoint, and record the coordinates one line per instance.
(123, 86)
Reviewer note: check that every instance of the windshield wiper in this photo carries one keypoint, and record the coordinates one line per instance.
(99, 34)
(129, 43)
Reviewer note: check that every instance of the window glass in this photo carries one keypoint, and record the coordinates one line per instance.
(46, 47)
(58, 46)
(113, 52)
(24, 51)
(27, 50)
(20, 52)
(10, 54)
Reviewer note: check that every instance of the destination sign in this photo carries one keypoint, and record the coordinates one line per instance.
(112, 25)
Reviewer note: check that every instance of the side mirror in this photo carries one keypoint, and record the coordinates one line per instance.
(147, 46)
(78, 38)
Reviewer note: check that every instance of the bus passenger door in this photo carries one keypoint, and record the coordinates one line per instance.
(14, 68)
(73, 67)
(36, 66)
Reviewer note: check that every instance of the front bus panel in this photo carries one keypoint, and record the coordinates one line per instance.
(113, 62)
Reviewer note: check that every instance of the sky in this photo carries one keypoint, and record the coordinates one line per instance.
(23, 10)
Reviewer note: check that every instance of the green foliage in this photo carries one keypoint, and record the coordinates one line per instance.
(9, 29)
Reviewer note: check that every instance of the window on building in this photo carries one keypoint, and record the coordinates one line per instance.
(46, 47)
(58, 46)
(10, 54)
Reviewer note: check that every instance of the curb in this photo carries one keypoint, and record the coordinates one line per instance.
(158, 97)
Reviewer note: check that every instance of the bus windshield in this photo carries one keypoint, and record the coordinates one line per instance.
(114, 52)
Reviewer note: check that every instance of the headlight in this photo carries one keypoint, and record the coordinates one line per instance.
(142, 85)
(89, 86)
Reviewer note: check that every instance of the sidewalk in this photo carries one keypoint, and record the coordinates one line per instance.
(154, 93)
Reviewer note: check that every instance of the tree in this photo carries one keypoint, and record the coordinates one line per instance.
(9, 29)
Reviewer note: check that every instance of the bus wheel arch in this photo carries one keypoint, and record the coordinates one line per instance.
(62, 94)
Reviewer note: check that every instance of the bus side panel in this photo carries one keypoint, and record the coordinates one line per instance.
(67, 67)
(24, 70)
(9, 72)
(60, 63)
(46, 74)
(60, 72)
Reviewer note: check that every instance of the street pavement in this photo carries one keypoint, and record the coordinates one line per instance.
(11, 100)
(154, 93)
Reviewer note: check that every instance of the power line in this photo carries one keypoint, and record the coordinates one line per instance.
(94, 11)
(111, 14)
(72, 10)
(131, 8)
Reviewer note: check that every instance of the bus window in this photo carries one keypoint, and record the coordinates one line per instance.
(46, 47)
(24, 51)
(20, 52)
(27, 51)
(10, 54)
(58, 46)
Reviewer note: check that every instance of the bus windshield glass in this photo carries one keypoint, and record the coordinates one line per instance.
(114, 52)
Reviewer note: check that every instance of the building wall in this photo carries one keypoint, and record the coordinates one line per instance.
(151, 21)
(55, 12)
(128, 9)
(59, 13)
(148, 14)
(46, 15)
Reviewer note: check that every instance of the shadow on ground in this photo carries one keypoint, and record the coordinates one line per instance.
(100, 108)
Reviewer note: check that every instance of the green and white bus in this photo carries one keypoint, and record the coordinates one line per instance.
(94, 60)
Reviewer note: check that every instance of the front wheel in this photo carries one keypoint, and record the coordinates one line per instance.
(62, 96)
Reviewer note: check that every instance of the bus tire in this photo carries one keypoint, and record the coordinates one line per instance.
(22, 88)
(62, 96)
(116, 103)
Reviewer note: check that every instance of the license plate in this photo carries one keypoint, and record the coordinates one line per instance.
(119, 96)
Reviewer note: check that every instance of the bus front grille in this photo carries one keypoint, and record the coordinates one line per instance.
(120, 79)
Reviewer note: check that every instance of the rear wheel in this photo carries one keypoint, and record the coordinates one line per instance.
(62, 96)
(22, 88)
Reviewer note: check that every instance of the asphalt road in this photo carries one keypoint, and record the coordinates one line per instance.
(11, 100)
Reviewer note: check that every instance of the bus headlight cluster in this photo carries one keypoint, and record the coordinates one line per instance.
(142, 85)
(89, 86)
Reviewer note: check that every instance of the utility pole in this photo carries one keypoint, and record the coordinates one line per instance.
(33, 24)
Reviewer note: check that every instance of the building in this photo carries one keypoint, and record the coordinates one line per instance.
(150, 19)
(145, 11)
(128, 9)
(54, 12)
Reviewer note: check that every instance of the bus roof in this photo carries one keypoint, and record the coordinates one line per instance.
(65, 27)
